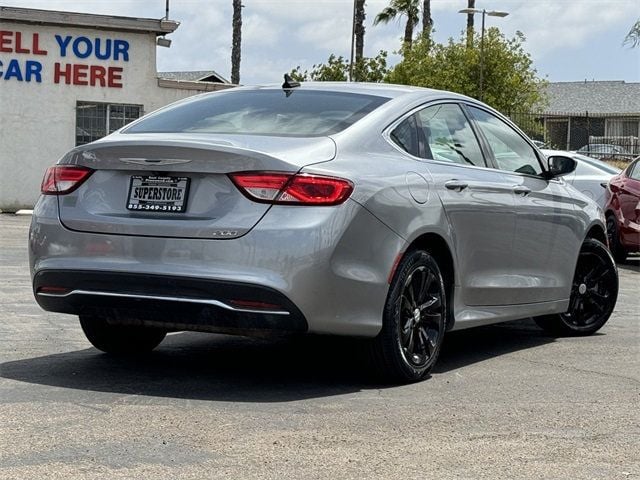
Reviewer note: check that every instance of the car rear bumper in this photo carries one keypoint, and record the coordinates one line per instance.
(328, 267)
(174, 303)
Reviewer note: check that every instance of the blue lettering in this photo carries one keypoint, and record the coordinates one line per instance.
(33, 69)
(88, 47)
(64, 43)
(1, 65)
(13, 70)
(121, 47)
(107, 49)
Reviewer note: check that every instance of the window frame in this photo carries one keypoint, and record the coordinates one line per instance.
(489, 151)
(107, 118)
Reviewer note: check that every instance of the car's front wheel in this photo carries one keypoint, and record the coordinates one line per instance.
(414, 320)
(613, 235)
(593, 294)
(120, 339)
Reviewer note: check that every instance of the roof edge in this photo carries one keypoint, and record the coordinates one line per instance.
(105, 22)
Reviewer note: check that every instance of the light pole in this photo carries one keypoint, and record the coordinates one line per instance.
(491, 13)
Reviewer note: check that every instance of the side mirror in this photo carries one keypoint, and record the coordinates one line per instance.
(559, 165)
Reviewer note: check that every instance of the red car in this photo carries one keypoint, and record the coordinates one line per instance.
(623, 211)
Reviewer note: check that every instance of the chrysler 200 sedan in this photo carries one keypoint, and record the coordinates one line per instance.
(381, 211)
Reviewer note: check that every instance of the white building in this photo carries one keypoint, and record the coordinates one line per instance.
(69, 78)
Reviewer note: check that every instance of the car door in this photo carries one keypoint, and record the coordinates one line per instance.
(478, 202)
(548, 233)
(629, 198)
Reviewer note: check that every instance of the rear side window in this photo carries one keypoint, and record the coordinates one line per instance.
(634, 171)
(303, 113)
(511, 152)
(449, 136)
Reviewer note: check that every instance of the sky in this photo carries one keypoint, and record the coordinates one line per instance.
(569, 40)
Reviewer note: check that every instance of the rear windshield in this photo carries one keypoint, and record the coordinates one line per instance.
(263, 112)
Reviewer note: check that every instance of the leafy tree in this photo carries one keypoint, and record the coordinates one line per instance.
(399, 8)
(336, 69)
(633, 37)
(236, 41)
(510, 82)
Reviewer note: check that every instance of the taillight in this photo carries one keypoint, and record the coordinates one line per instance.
(292, 189)
(61, 179)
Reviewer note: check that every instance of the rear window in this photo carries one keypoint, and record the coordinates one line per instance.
(298, 113)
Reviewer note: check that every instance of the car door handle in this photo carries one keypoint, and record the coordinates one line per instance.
(456, 185)
(521, 190)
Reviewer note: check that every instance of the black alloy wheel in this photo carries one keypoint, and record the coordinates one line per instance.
(593, 294)
(613, 236)
(414, 320)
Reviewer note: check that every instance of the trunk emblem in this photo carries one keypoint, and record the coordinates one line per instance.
(155, 161)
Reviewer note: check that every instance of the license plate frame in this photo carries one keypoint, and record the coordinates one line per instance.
(173, 201)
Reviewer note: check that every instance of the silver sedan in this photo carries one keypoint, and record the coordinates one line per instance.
(380, 211)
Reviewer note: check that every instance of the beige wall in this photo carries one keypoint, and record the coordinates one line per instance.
(38, 120)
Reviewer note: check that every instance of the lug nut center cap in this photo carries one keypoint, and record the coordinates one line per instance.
(582, 289)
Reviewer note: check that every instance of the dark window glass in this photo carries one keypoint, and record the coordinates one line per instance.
(96, 120)
(511, 151)
(449, 136)
(299, 113)
(405, 135)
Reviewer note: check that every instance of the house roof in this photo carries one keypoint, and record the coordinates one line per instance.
(103, 22)
(194, 76)
(597, 97)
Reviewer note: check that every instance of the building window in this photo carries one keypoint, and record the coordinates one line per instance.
(622, 127)
(96, 120)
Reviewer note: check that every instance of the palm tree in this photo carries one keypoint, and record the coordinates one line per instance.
(427, 21)
(470, 4)
(359, 16)
(236, 41)
(633, 37)
(398, 8)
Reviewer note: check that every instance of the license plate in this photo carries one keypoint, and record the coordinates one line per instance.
(158, 194)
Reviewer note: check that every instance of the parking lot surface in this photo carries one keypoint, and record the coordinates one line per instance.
(504, 401)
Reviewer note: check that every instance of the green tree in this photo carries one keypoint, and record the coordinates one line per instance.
(399, 8)
(336, 69)
(633, 37)
(510, 81)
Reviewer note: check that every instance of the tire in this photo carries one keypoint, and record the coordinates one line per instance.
(414, 320)
(120, 339)
(593, 294)
(617, 250)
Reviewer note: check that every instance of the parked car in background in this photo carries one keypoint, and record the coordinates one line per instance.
(606, 151)
(622, 211)
(590, 176)
(383, 211)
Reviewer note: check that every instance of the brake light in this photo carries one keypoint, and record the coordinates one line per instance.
(292, 189)
(62, 179)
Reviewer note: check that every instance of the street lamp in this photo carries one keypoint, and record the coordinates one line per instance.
(491, 13)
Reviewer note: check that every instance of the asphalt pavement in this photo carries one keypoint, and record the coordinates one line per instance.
(504, 402)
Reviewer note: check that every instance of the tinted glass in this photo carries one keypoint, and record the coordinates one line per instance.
(511, 151)
(405, 135)
(448, 135)
(263, 112)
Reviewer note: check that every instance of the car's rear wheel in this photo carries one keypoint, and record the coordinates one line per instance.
(613, 235)
(120, 339)
(414, 320)
(593, 294)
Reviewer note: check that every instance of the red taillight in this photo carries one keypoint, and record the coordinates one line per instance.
(292, 189)
(61, 179)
